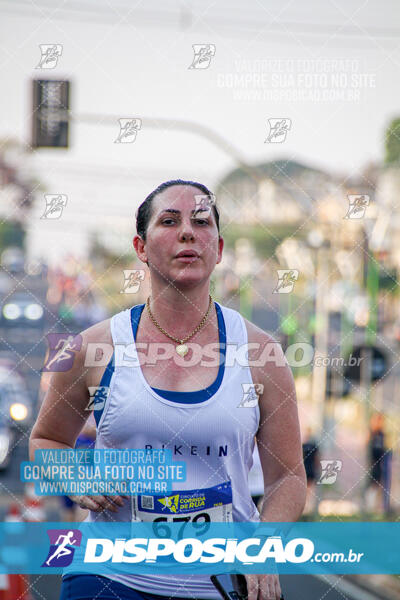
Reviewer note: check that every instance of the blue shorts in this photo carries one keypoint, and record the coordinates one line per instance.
(87, 587)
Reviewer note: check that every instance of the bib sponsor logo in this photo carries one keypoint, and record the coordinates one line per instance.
(170, 502)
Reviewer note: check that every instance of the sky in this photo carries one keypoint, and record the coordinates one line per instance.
(331, 69)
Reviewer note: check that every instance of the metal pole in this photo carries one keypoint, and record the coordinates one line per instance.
(179, 125)
(365, 388)
(318, 390)
(321, 339)
(372, 286)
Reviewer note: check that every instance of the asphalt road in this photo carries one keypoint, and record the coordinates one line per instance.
(27, 346)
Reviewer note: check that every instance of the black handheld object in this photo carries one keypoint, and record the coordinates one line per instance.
(231, 586)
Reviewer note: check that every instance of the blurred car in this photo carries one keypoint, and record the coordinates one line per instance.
(21, 309)
(16, 409)
(6, 443)
(6, 283)
(13, 259)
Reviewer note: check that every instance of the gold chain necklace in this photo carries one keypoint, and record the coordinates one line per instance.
(181, 349)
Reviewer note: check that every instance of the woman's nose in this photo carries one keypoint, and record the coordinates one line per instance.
(186, 232)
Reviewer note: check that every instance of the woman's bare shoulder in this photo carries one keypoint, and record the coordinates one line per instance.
(99, 332)
(266, 356)
(256, 334)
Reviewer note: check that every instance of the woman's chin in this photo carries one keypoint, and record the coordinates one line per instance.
(188, 277)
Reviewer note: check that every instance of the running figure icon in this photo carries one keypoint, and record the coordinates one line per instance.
(62, 549)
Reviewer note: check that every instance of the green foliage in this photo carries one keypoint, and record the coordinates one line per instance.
(392, 143)
(265, 239)
(289, 325)
(11, 234)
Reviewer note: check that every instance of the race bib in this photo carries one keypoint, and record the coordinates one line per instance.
(197, 506)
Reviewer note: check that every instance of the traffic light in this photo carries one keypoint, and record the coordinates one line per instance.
(379, 363)
(50, 113)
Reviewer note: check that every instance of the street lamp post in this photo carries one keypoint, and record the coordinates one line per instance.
(244, 255)
(318, 391)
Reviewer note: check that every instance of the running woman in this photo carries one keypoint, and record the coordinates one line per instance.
(207, 411)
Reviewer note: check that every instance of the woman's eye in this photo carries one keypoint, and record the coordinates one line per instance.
(168, 221)
(201, 221)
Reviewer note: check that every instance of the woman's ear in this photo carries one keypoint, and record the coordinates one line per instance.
(220, 249)
(140, 247)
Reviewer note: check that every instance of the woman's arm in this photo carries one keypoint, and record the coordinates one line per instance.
(64, 411)
(279, 447)
(278, 436)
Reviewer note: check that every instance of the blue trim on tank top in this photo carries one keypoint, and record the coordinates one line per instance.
(198, 395)
(105, 382)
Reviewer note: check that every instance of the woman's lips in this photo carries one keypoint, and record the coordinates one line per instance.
(186, 258)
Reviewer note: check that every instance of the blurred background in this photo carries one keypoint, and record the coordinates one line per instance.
(289, 112)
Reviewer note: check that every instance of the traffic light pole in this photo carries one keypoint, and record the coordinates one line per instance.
(51, 116)
(183, 125)
(372, 286)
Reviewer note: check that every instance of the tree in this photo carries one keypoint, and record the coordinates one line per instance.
(17, 204)
(392, 143)
(11, 234)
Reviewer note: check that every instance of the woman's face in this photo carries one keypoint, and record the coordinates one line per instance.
(182, 244)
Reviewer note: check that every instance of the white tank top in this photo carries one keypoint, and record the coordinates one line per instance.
(208, 429)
